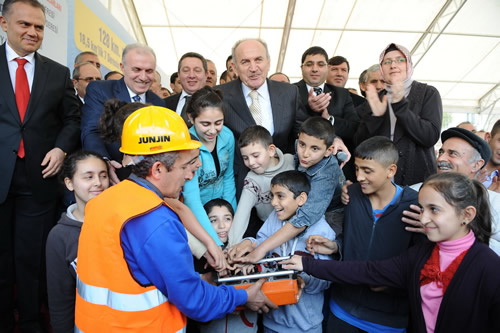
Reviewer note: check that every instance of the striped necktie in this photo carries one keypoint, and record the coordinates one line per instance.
(255, 108)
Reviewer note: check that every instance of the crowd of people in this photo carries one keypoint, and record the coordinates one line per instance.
(121, 200)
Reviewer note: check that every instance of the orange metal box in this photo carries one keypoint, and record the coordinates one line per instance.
(280, 292)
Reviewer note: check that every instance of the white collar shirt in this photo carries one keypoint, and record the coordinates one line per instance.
(29, 67)
(182, 102)
(265, 104)
(133, 94)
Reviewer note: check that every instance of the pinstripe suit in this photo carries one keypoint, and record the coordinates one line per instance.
(288, 113)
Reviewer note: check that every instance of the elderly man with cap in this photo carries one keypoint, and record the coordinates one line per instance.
(135, 270)
(466, 153)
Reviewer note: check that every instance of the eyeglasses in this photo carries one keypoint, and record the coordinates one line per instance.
(311, 64)
(389, 62)
(89, 79)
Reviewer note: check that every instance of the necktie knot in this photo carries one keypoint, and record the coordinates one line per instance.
(136, 98)
(21, 62)
(254, 95)
(317, 90)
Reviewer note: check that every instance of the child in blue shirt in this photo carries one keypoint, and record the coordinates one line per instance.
(290, 191)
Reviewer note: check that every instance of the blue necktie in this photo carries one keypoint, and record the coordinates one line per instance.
(136, 98)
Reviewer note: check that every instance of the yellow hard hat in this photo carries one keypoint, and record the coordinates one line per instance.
(154, 130)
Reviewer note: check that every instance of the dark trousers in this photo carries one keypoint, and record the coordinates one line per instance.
(24, 226)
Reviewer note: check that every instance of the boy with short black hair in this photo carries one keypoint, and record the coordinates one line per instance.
(290, 191)
(265, 161)
(220, 213)
(372, 231)
(314, 158)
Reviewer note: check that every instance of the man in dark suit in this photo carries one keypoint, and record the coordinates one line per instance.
(338, 107)
(281, 109)
(83, 74)
(192, 71)
(338, 72)
(138, 67)
(39, 124)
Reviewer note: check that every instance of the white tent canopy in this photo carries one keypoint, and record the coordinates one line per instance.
(455, 44)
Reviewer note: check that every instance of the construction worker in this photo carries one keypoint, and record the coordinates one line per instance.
(135, 269)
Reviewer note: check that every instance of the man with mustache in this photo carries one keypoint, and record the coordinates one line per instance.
(466, 153)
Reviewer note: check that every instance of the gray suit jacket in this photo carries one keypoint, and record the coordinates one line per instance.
(288, 114)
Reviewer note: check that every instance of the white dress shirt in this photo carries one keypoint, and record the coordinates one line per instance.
(133, 94)
(29, 67)
(182, 101)
(265, 105)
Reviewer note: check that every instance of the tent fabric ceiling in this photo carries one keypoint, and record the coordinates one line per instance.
(463, 62)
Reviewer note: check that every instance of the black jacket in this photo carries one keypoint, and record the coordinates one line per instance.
(418, 127)
(471, 302)
(362, 239)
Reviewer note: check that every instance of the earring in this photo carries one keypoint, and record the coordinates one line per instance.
(464, 223)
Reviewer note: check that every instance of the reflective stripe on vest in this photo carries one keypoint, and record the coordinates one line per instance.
(119, 301)
(182, 330)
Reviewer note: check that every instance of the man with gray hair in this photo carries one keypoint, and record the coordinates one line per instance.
(373, 77)
(83, 74)
(211, 73)
(138, 67)
(466, 153)
(252, 99)
(88, 56)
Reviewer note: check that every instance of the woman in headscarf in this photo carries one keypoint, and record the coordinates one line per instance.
(408, 112)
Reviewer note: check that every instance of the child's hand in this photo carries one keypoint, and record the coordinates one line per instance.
(253, 257)
(216, 257)
(301, 284)
(338, 145)
(239, 250)
(294, 263)
(319, 244)
(344, 196)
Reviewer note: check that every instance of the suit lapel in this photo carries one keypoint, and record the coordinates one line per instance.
(149, 97)
(275, 94)
(239, 104)
(39, 84)
(121, 91)
(304, 94)
(6, 86)
(329, 89)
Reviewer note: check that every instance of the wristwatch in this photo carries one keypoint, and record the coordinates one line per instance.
(331, 120)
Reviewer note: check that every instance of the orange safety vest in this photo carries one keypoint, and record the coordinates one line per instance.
(108, 298)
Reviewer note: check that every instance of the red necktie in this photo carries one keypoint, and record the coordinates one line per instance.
(22, 96)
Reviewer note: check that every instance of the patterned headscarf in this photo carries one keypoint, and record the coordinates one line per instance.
(407, 82)
(406, 53)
